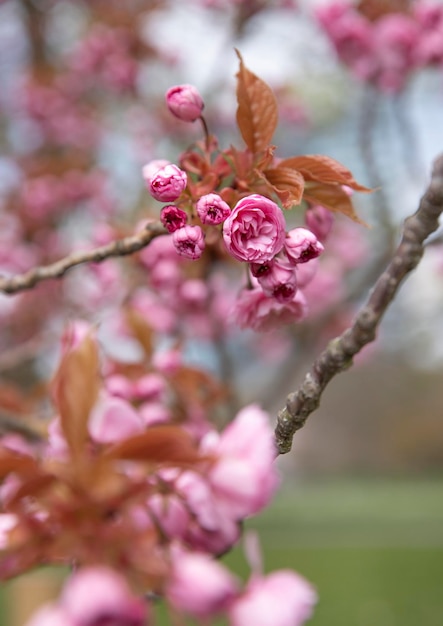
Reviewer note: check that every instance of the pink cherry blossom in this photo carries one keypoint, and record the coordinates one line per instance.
(255, 230)
(199, 585)
(244, 477)
(189, 241)
(253, 309)
(98, 595)
(185, 102)
(173, 218)
(212, 528)
(112, 419)
(151, 168)
(282, 598)
(319, 220)
(168, 183)
(301, 246)
(212, 209)
(280, 281)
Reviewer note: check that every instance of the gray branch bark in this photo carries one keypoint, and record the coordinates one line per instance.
(121, 247)
(338, 355)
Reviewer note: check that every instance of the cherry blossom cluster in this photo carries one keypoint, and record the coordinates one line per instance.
(112, 488)
(253, 229)
(385, 51)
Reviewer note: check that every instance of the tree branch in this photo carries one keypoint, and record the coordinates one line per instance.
(338, 355)
(121, 247)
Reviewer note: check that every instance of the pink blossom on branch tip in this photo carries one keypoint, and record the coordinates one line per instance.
(185, 102)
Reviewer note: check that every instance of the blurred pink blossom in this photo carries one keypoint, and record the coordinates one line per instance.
(199, 585)
(282, 598)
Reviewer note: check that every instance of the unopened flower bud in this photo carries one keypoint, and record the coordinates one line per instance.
(212, 209)
(185, 102)
(301, 245)
(173, 218)
(151, 168)
(280, 282)
(189, 241)
(319, 220)
(168, 183)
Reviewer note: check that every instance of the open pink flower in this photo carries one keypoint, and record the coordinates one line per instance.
(255, 230)
(185, 102)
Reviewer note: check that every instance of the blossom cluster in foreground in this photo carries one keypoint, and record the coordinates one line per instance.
(110, 492)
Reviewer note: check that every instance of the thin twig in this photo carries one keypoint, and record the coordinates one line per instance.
(338, 355)
(121, 247)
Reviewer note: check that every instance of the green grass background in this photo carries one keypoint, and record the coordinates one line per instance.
(373, 549)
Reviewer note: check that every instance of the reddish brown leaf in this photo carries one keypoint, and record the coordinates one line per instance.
(160, 444)
(75, 389)
(323, 169)
(12, 462)
(140, 329)
(34, 487)
(257, 114)
(333, 198)
(284, 179)
(193, 385)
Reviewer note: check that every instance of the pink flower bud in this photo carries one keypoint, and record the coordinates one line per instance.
(319, 220)
(282, 598)
(173, 218)
(301, 245)
(280, 282)
(212, 209)
(189, 241)
(168, 183)
(150, 169)
(255, 230)
(185, 102)
(199, 586)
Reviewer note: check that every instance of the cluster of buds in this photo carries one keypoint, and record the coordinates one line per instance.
(385, 47)
(250, 227)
